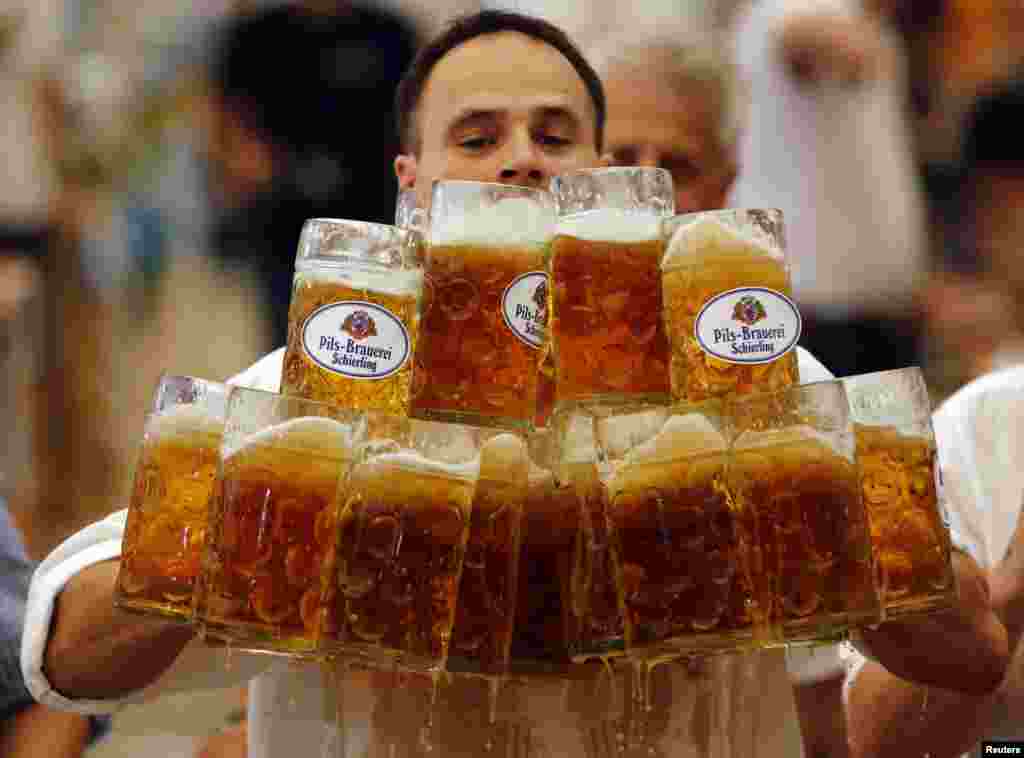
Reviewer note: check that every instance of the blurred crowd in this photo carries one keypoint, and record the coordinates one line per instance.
(160, 163)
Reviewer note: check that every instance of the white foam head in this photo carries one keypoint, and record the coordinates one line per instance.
(416, 463)
(681, 437)
(318, 435)
(612, 225)
(181, 420)
(707, 235)
(504, 457)
(399, 281)
(511, 221)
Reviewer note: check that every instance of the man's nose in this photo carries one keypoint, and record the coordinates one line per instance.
(523, 164)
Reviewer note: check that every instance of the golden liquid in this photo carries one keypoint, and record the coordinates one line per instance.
(274, 530)
(697, 375)
(487, 590)
(303, 377)
(677, 550)
(167, 522)
(911, 541)
(470, 367)
(606, 325)
(804, 537)
(401, 544)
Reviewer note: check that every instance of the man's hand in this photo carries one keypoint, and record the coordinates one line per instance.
(822, 47)
(965, 649)
(39, 732)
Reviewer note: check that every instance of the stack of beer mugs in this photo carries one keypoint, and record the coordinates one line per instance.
(533, 428)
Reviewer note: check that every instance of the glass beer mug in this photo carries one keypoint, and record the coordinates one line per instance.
(403, 525)
(606, 328)
(485, 312)
(273, 525)
(353, 320)
(731, 322)
(804, 533)
(168, 514)
(899, 477)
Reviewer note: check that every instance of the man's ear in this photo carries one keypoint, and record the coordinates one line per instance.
(406, 168)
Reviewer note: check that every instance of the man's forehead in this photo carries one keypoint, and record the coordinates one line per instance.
(503, 71)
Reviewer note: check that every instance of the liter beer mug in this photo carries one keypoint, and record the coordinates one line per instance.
(169, 509)
(795, 492)
(607, 333)
(404, 520)
(283, 461)
(891, 412)
(728, 310)
(485, 312)
(353, 319)
(675, 537)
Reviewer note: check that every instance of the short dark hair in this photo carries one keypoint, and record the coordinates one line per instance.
(466, 28)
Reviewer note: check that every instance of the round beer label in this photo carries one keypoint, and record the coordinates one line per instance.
(748, 325)
(525, 307)
(356, 339)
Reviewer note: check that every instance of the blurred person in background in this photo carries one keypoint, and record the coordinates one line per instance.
(829, 143)
(301, 126)
(673, 105)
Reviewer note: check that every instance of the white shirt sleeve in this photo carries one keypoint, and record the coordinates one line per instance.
(198, 667)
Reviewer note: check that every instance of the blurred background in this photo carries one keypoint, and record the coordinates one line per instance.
(161, 156)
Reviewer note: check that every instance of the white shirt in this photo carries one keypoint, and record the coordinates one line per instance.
(286, 699)
(836, 160)
(979, 432)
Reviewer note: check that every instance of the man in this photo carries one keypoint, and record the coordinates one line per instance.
(829, 144)
(980, 432)
(676, 106)
(497, 97)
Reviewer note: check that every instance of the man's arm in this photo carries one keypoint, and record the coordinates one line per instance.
(890, 716)
(96, 651)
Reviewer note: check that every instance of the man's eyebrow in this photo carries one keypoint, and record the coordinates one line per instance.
(559, 113)
(472, 117)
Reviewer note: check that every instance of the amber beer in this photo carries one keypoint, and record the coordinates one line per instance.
(676, 541)
(896, 455)
(404, 522)
(169, 510)
(274, 525)
(487, 590)
(804, 532)
(484, 317)
(728, 305)
(353, 320)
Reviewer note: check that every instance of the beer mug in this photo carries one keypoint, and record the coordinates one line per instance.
(404, 519)
(353, 320)
(486, 603)
(731, 322)
(168, 514)
(675, 537)
(409, 214)
(283, 460)
(606, 328)
(891, 412)
(485, 314)
(596, 627)
(794, 491)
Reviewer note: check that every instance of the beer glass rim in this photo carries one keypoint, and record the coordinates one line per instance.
(388, 234)
(223, 389)
(914, 412)
(727, 213)
(610, 170)
(525, 189)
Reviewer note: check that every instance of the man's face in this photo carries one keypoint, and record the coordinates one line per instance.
(650, 124)
(501, 108)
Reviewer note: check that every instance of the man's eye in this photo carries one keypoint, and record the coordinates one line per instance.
(475, 143)
(553, 140)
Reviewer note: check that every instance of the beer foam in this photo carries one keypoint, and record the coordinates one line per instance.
(515, 221)
(314, 434)
(393, 281)
(681, 437)
(612, 225)
(621, 433)
(184, 420)
(504, 457)
(410, 460)
(707, 234)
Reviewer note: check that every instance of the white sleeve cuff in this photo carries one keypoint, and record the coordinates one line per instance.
(46, 585)
(809, 665)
